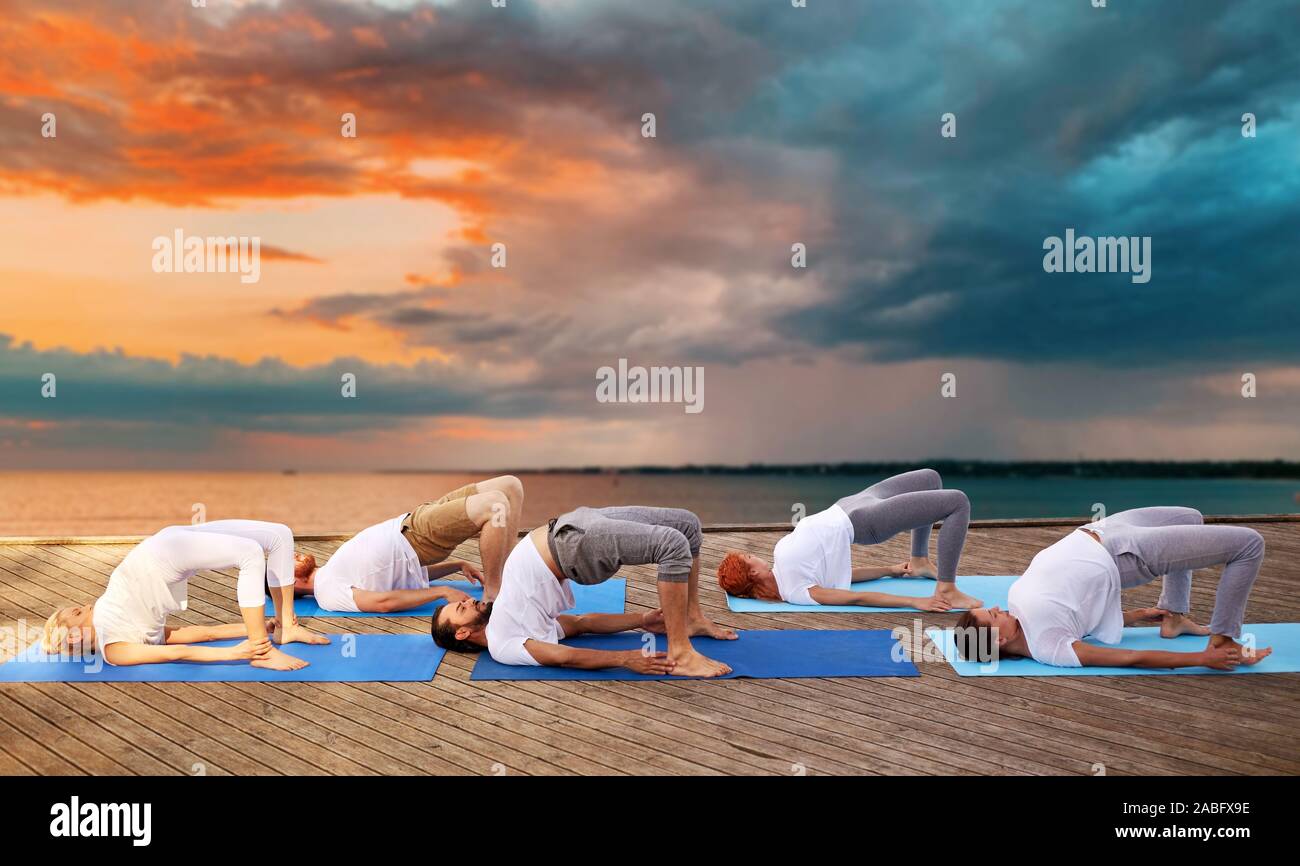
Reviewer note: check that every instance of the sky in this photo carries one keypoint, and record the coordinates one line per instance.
(923, 325)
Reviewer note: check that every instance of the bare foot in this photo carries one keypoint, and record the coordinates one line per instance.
(695, 665)
(699, 626)
(1254, 657)
(300, 634)
(1174, 624)
(957, 599)
(1249, 656)
(276, 660)
(922, 567)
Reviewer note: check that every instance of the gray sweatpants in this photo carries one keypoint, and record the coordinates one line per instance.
(1172, 541)
(916, 501)
(591, 544)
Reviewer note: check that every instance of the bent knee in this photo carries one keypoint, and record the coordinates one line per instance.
(512, 486)
(509, 485)
(1253, 544)
(483, 507)
(674, 544)
(674, 555)
(692, 530)
(247, 548)
(957, 501)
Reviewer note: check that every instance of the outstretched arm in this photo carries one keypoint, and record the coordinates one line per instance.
(1223, 658)
(873, 572)
(394, 600)
(600, 623)
(122, 653)
(204, 633)
(557, 655)
(452, 566)
(822, 595)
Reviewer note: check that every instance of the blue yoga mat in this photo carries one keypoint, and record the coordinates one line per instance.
(604, 597)
(782, 654)
(1284, 638)
(351, 658)
(990, 589)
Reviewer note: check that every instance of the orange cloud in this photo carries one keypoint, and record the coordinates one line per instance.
(175, 116)
(280, 254)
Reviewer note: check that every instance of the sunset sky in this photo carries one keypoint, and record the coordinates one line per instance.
(523, 126)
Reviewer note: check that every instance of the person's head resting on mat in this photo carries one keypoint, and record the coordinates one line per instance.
(461, 626)
(304, 575)
(70, 630)
(985, 634)
(747, 576)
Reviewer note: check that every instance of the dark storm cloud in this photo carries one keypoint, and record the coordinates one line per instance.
(1125, 121)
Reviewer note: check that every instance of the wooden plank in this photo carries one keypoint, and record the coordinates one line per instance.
(58, 730)
(21, 748)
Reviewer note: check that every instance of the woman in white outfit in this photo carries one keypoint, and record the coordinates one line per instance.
(128, 623)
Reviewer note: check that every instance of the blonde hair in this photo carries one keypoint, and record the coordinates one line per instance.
(54, 637)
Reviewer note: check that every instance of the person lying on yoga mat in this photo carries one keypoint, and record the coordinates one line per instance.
(526, 624)
(387, 567)
(1071, 590)
(813, 564)
(127, 625)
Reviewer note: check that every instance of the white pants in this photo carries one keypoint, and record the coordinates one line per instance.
(263, 552)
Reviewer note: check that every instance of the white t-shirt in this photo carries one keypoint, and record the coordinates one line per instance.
(528, 606)
(1070, 591)
(377, 558)
(135, 607)
(150, 584)
(817, 553)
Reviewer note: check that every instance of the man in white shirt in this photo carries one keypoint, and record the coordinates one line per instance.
(387, 567)
(1071, 590)
(813, 564)
(588, 546)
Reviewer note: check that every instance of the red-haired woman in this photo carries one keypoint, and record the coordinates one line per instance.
(813, 565)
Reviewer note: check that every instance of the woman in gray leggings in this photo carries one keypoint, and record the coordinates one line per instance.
(812, 565)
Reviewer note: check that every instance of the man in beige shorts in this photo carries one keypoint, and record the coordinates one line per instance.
(387, 567)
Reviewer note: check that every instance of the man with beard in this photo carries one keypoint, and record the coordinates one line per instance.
(588, 545)
(1072, 589)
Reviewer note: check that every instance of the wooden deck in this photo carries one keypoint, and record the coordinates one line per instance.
(934, 724)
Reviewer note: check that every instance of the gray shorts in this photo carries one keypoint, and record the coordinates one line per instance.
(591, 544)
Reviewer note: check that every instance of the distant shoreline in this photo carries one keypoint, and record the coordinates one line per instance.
(1255, 469)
